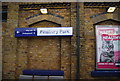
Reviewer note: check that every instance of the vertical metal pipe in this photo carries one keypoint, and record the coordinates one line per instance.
(78, 40)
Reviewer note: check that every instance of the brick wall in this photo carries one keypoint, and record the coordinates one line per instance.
(25, 53)
(10, 42)
(29, 52)
(88, 42)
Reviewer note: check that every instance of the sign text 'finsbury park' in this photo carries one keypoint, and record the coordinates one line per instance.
(54, 31)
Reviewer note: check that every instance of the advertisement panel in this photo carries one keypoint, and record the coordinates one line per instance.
(108, 47)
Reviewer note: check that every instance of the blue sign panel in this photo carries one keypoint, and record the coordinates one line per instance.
(25, 32)
(50, 31)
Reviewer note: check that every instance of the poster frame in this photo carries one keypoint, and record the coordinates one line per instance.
(96, 55)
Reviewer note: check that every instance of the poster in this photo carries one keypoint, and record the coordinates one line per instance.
(108, 47)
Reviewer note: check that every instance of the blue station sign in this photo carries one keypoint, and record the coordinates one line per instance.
(51, 31)
(25, 32)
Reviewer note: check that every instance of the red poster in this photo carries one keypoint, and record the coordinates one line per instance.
(108, 47)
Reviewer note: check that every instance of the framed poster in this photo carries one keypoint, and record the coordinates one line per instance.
(107, 47)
